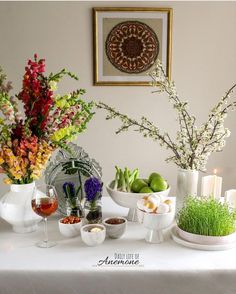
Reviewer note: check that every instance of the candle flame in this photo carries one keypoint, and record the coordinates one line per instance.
(215, 171)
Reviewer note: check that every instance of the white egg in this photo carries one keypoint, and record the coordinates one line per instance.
(163, 208)
(148, 210)
(155, 199)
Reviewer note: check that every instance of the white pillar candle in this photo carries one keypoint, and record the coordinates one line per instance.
(230, 197)
(211, 186)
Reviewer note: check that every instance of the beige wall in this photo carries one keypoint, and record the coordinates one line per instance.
(204, 66)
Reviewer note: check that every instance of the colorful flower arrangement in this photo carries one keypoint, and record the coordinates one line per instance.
(193, 144)
(50, 120)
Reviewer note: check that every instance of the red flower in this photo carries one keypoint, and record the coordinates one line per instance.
(36, 96)
(17, 132)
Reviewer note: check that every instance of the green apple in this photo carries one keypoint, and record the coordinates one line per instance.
(146, 190)
(145, 180)
(137, 185)
(153, 176)
(158, 184)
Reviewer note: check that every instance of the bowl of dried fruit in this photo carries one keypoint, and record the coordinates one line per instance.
(70, 226)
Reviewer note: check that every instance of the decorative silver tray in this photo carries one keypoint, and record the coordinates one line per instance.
(75, 167)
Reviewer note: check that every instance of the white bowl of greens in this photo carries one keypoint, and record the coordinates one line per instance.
(121, 193)
(129, 199)
(206, 221)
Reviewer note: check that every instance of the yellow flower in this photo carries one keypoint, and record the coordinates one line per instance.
(7, 181)
(1, 160)
(13, 163)
(63, 101)
(41, 159)
(53, 85)
(23, 166)
(67, 132)
(32, 157)
(36, 174)
(16, 175)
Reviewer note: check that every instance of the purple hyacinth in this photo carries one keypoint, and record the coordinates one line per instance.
(69, 189)
(93, 188)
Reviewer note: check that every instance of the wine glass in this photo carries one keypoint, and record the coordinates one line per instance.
(44, 203)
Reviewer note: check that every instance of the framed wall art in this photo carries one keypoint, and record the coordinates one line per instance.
(128, 41)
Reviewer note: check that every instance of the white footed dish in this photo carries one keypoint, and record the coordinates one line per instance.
(155, 223)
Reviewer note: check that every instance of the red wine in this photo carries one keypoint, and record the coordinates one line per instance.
(44, 206)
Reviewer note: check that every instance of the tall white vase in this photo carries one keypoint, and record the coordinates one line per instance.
(15, 208)
(187, 182)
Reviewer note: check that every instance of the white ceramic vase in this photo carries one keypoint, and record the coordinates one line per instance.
(15, 208)
(187, 183)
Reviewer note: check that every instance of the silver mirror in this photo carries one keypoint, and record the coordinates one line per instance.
(71, 166)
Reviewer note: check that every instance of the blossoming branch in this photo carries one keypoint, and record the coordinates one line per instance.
(193, 145)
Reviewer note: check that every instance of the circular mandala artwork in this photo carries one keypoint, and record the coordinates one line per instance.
(132, 47)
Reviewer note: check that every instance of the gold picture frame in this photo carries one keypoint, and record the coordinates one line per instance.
(122, 58)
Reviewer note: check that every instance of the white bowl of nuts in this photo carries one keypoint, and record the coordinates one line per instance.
(70, 226)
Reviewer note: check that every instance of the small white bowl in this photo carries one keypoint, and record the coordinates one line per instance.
(206, 240)
(93, 238)
(115, 231)
(129, 200)
(70, 230)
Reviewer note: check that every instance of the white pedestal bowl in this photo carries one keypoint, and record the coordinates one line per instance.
(156, 223)
(129, 200)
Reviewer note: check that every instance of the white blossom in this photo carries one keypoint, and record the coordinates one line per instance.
(193, 144)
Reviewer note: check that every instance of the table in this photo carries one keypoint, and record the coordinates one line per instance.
(72, 267)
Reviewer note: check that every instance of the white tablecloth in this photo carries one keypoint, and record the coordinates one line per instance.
(71, 266)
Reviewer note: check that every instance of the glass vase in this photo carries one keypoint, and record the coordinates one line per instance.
(93, 212)
(187, 184)
(74, 207)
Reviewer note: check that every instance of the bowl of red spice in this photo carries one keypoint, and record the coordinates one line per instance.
(115, 226)
(70, 226)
